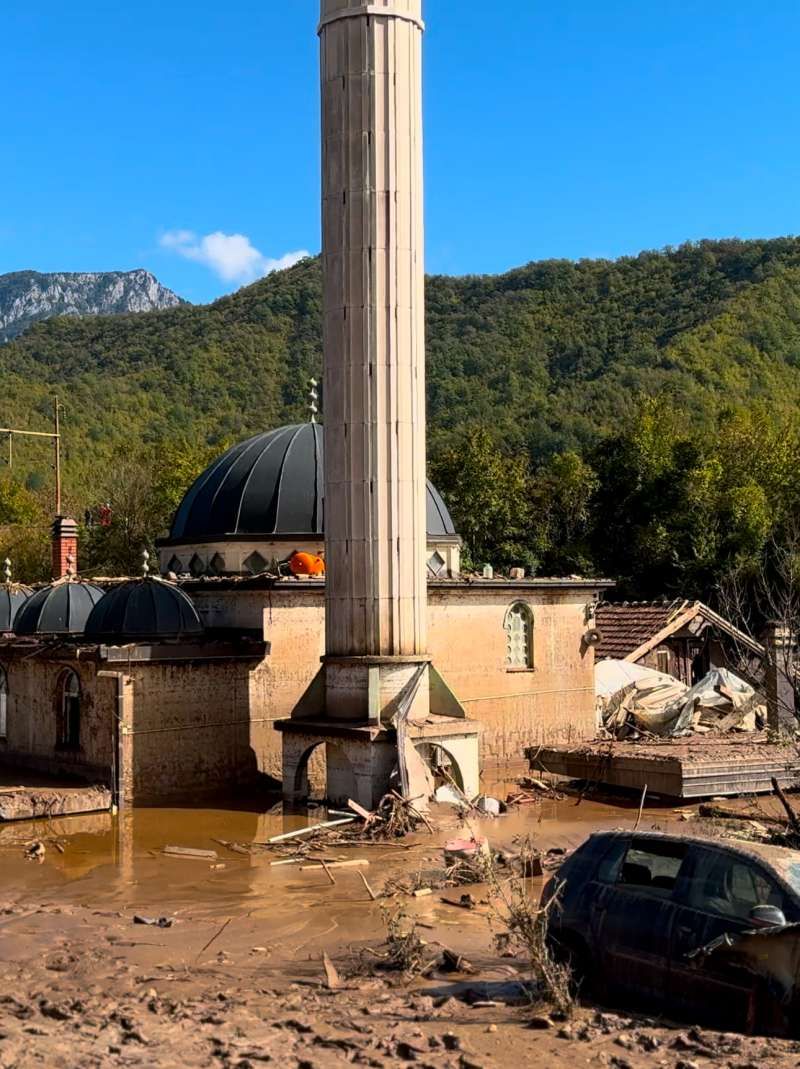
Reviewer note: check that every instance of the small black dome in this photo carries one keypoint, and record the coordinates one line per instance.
(59, 609)
(141, 610)
(12, 598)
(271, 486)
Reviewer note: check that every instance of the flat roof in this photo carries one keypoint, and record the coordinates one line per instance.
(265, 582)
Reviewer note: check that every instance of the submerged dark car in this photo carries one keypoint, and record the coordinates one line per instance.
(703, 927)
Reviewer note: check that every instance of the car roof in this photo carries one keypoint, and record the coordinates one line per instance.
(781, 858)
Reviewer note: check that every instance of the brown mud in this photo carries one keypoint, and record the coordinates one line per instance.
(237, 979)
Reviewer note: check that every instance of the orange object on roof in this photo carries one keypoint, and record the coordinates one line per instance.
(301, 563)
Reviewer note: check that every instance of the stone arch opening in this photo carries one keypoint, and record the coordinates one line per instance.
(310, 776)
(442, 763)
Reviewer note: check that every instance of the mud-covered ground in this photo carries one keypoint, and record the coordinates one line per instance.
(85, 988)
(238, 979)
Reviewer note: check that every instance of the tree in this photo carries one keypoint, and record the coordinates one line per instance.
(488, 493)
(561, 514)
(142, 494)
(24, 527)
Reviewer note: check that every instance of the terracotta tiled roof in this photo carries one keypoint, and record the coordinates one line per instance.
(625, 626)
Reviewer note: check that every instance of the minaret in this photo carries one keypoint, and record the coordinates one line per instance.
(377, 696)
(374, 347)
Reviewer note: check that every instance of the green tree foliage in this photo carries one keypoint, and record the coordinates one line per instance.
(676, 507)
(24, 525)
(634, 418)
(142, 493)
(489, 495)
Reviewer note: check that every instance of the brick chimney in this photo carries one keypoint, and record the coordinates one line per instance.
(64, 545)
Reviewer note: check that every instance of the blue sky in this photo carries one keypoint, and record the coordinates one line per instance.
(151, 134)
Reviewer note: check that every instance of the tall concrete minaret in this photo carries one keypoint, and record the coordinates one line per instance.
(377, 699)
(374, 353)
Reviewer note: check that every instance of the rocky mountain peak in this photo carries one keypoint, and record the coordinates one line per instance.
(29, 296)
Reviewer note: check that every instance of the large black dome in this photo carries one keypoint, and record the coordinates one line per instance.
(271, 486)
(142, 610)
(59, 609)
(12, 598)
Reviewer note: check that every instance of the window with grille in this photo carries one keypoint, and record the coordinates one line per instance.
(519, 636)
(3, 703)
(69, 710)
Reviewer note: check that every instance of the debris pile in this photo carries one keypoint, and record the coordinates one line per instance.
(636, 702)
(394, 818)
(405, 951)
(755, 824)
(532, 791)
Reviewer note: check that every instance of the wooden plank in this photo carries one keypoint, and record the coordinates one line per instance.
(307, 831)
(190, 852)
(354, 863)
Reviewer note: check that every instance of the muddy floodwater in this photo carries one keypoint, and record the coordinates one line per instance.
(238, 977)
(117, 862)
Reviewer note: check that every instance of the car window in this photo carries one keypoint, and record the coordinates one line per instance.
(608, 869)
(732, 886)
(652, 866)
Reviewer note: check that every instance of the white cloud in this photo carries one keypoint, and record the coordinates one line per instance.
(231, 256)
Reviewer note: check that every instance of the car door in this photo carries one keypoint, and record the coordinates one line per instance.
(635, 916)
(718, 890)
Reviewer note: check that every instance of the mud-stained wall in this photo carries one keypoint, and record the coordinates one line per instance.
(291, 620)
(32, 739)
(552, 702)
(189, 730)
(194, 727)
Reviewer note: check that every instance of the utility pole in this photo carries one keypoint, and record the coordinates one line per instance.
(57, 445)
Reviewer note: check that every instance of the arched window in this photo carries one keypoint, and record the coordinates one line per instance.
(3, 702)
(69, 710)
(519, 636)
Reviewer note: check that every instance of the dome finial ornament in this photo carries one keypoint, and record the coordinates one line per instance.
(70, 567)
(7, 570)
(313, 397)
(145, 563)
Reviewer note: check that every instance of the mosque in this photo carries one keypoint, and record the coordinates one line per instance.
(172, 688)
(229, 670)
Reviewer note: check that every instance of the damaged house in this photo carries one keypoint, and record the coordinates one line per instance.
(683, 639)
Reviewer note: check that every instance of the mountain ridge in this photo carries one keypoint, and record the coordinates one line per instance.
(551, 356)
(28, 297)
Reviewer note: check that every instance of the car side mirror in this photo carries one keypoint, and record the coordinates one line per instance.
(767, 917)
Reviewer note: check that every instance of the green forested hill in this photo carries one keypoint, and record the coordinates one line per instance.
(550, 360)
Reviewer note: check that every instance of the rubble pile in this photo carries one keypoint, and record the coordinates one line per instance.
(636, 702)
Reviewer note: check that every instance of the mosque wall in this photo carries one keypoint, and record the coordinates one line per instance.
(195, 727)
(35, 730)
(190, 730)
(552, 701)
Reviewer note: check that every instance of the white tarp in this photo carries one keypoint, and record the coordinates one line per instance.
(658, 704)
(611, 676)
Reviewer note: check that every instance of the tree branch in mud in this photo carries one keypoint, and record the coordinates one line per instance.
(525, 928)
(404, 951)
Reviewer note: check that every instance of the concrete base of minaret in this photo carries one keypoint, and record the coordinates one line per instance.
(375, 689)
(365, 712)
(361, 762)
